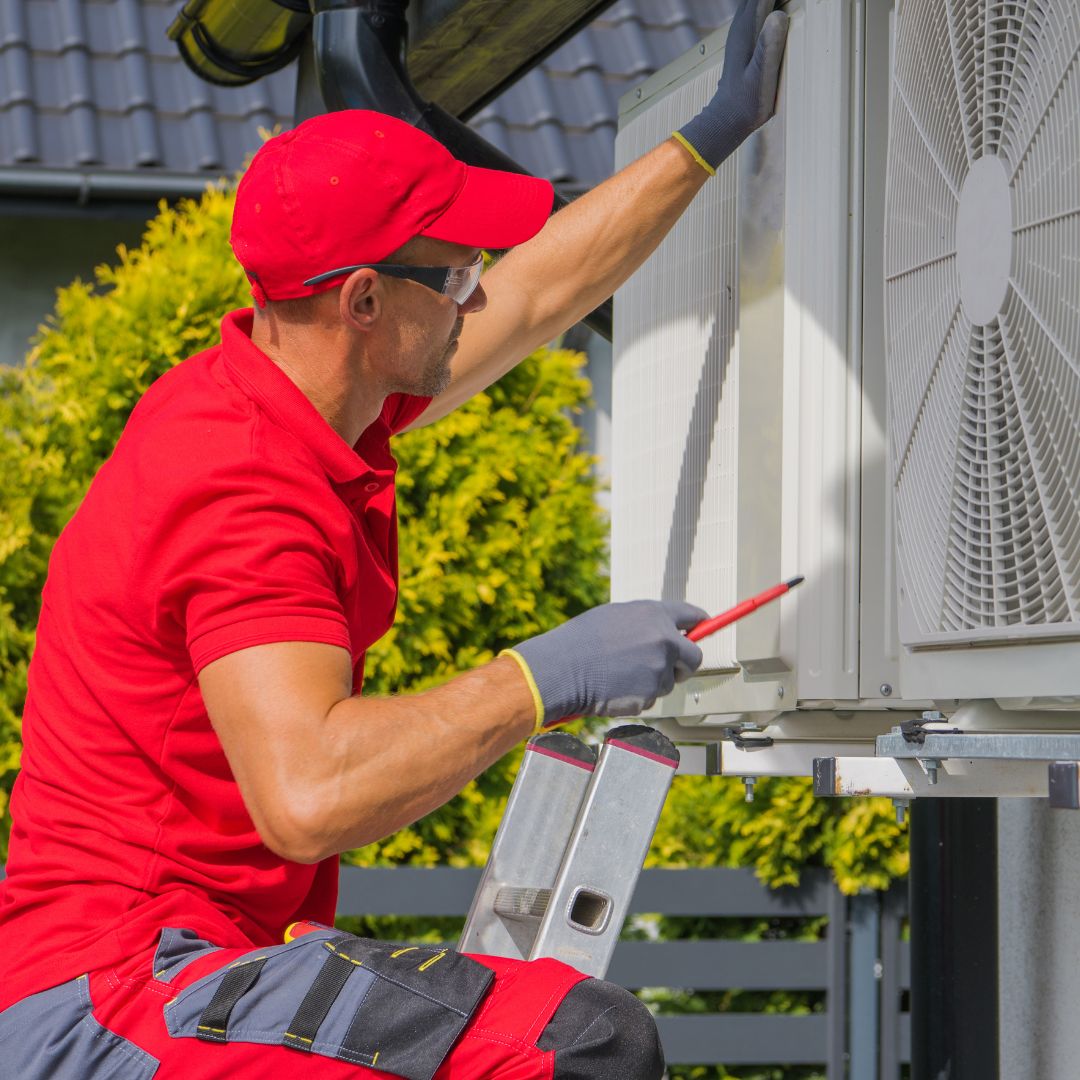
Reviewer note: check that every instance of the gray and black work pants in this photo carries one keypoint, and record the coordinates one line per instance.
(328, 1006)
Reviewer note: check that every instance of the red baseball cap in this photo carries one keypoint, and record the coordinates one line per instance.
(353, 186)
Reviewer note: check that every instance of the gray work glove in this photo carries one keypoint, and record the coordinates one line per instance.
(746, 96)
(613, 660)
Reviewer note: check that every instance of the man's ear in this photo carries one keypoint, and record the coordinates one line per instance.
(360, 301)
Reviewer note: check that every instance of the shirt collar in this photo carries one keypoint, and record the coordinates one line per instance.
(278, 396)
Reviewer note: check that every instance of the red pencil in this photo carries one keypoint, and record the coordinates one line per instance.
(726, 618)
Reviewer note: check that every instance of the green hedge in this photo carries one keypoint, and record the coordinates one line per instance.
(501, 538)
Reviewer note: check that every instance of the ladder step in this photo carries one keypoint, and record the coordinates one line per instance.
(528, 847)
(522, 903)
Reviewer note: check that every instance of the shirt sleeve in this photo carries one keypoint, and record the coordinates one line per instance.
(254, 560)
(400, 410)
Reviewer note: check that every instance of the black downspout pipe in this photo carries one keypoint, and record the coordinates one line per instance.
(954, 939)
(359, 55)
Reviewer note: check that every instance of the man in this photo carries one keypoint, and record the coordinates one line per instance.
(196, 752)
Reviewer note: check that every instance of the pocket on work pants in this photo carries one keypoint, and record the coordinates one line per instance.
(53, 1036)
(397, 1008)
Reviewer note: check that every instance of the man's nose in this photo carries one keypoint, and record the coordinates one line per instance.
(476, 302)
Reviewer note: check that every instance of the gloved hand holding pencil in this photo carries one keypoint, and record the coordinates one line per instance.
(617, 659)
(613, 660)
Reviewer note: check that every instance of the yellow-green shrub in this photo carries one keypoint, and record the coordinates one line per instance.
(501, 538)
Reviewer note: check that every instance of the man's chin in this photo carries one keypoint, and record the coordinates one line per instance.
(437, 382)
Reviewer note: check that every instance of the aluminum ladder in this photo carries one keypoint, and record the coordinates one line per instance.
(570, 847)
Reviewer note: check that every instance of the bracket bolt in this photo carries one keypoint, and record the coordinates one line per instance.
(748, 783)
(885, 689)
(901, 810)
(931, 765)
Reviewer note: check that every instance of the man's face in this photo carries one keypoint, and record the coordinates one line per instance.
(426, 323)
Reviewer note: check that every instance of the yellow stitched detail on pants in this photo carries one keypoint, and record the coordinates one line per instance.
(299, 1038)
(402, 952)
(241, 963)
(434, 960)
(344, 956)
(203, 1027)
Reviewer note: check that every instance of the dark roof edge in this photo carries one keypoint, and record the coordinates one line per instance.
(84, 186)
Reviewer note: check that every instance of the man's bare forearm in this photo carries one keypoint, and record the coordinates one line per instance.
(386, 762)
(590, 247)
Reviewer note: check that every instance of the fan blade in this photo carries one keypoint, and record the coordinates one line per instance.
(924, 487)
(924, 77)
(1047, 398)
(1044, 78)
(923, 309)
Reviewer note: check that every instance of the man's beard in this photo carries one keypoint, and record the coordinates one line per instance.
(437, 377)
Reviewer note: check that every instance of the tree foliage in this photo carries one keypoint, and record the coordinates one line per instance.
(501, 538)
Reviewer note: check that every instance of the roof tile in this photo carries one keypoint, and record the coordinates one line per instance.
(86, 82)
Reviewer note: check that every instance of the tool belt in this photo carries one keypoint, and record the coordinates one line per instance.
(396, 1008)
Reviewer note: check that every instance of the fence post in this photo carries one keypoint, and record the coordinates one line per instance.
(835, 1067)
(893, 903)
(863, 986)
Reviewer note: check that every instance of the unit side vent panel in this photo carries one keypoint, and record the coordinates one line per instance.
(983, 318)
(675, 389)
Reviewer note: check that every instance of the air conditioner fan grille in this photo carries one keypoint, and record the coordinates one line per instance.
(983, 315)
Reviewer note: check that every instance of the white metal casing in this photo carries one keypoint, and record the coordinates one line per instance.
(744, 430)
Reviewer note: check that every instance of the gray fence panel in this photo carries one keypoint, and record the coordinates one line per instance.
(721, 965)
(728, 893)
(409, 890)
(406, 890)
(743, 1039)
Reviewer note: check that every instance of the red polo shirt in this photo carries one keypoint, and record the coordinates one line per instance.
(230, 514)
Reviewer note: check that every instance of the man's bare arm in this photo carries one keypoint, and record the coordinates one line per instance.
(322, 771)
(587, 250)
(583, 254)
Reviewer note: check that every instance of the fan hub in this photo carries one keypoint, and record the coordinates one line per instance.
(984, 239)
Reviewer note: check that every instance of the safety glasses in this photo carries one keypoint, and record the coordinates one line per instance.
(456, 282)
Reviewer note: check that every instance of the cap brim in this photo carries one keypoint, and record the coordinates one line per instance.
(494, 209)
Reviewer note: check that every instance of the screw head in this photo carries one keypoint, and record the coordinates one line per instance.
(779, 691)
(638, 92)
(885, 689)
(697, 697)
(703, 48)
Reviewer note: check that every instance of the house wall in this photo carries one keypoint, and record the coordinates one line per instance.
(39, 254)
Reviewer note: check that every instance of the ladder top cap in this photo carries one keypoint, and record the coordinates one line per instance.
(566, 747)
(647, 741)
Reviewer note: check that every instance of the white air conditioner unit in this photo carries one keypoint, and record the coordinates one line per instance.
(857, 357)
